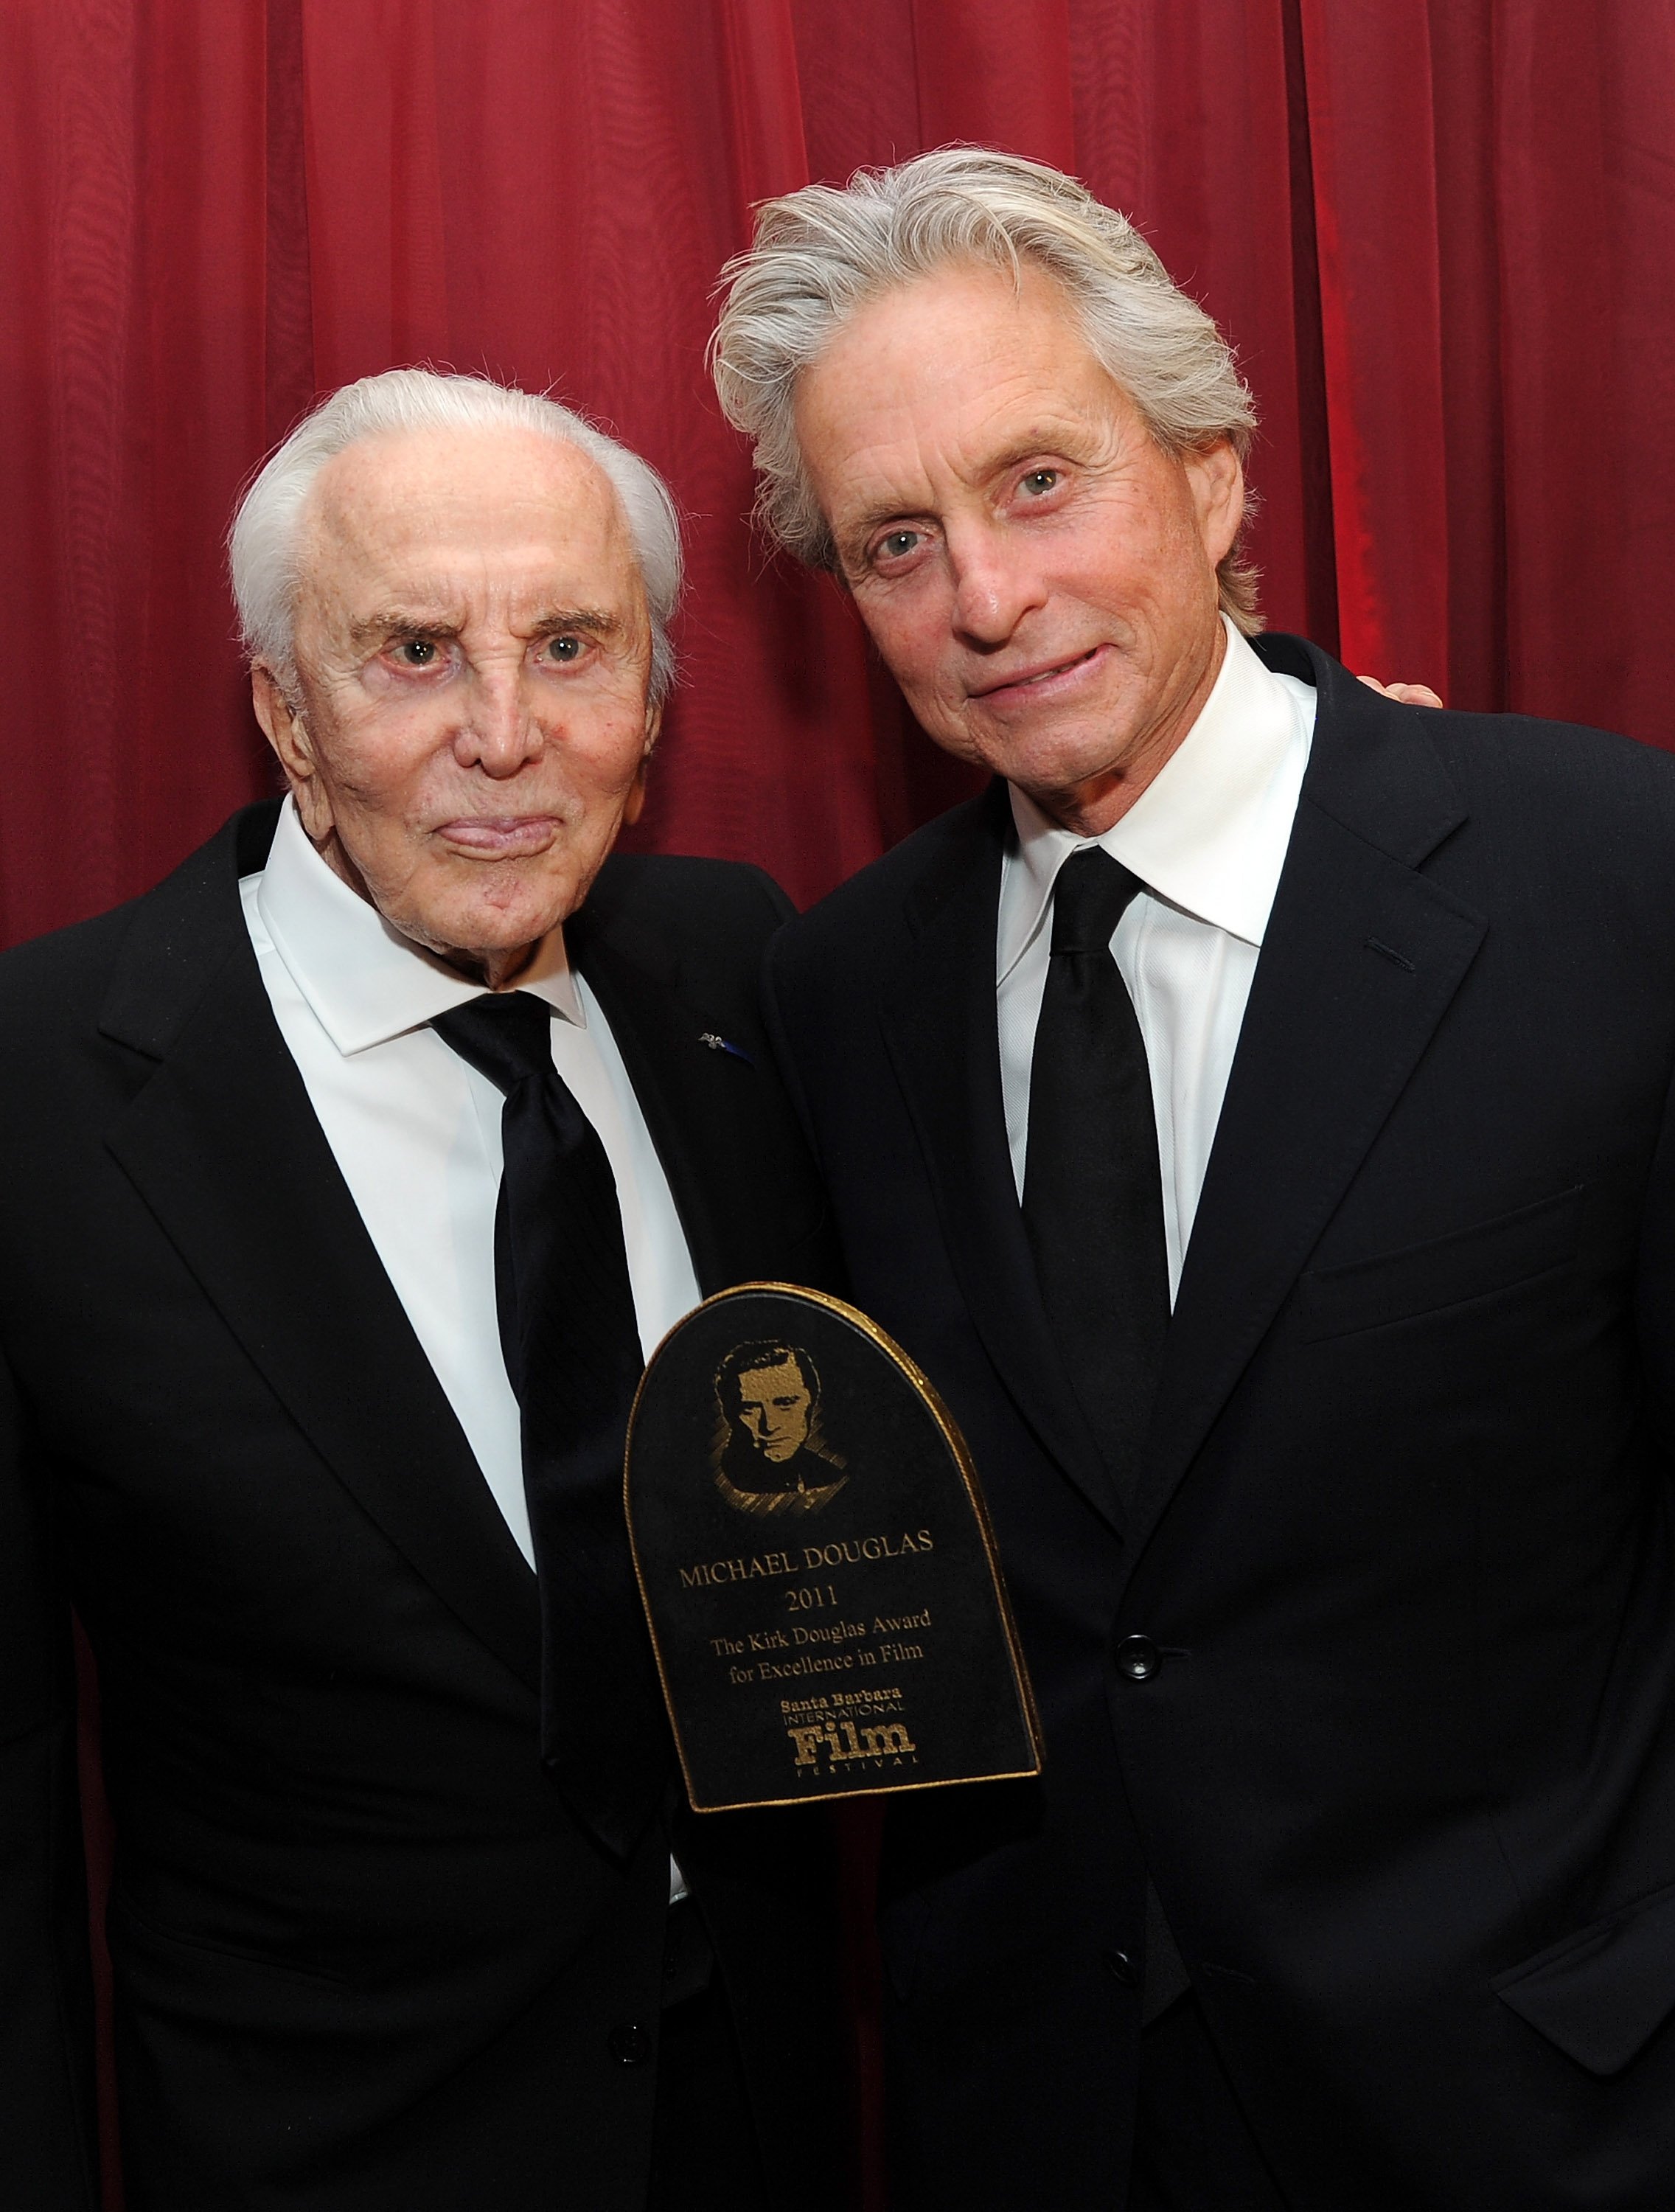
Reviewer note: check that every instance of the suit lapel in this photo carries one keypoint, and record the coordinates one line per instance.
(687, 1093)
(1360, 959)
(223, 1146)
(939, 1024)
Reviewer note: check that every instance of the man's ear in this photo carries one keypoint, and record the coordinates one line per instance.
(634, 806)
(286, 728)
(1217, 478)
(281, 721)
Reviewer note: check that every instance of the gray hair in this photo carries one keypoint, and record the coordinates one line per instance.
(265, 545)
(821, 254)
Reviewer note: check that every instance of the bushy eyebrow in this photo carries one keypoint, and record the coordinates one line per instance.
(391, 625)
(593, 620)
(375, 630)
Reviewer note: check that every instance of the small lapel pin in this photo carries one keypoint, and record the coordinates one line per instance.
(720, 1044)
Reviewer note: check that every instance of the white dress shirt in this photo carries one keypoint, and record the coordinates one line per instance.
(416, 1131)
(1207, 840)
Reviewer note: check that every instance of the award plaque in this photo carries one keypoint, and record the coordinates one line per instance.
(816, 1563)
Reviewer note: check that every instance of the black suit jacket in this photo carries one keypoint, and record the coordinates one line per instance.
(1399, 1752)
(363, 1956)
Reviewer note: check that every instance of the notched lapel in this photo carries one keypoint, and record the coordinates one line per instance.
(939, 1024)
(224, 1147)
(1360, 959)
(703, 1099)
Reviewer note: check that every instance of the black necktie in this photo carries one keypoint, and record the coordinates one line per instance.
(1092, 1197)
(572, 1349)
(1093, 1205)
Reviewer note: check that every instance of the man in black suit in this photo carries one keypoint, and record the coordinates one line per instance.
(1252, 1115)
(349, 1174)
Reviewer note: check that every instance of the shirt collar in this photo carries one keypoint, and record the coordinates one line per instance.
(1209, 833)
(364, 980)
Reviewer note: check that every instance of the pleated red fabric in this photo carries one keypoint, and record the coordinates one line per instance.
(1440, 232)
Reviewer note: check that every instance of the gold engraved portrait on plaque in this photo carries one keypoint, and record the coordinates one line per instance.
(769, 1453)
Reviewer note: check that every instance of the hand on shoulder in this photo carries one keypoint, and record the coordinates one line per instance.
(1410, 694)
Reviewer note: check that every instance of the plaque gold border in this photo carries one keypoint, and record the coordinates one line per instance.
(957, 1445)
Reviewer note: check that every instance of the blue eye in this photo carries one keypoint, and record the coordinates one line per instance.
(896, 543)
(1039, 480)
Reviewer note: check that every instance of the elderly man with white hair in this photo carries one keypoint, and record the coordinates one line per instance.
(1252, 1115)
(351, 1172)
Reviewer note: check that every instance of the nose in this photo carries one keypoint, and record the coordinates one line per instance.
(994, 585)
(500, 734)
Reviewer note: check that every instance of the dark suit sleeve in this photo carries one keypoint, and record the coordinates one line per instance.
(46, 2125)
(1654, 1298)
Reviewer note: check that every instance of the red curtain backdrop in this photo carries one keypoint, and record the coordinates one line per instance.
(1442, 233)
(1442, 237)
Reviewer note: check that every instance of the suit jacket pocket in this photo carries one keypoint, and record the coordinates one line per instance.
(133, 1930)
(1602, 1994)
(1422, 1278)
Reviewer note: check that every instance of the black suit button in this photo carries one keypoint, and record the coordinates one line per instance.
(1136, 1658)
(1119, 1966)
(630, 2045)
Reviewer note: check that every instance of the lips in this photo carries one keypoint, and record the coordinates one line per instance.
(1042, 678)
(499, 837)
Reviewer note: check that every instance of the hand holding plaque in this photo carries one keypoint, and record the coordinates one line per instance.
(817, 1564)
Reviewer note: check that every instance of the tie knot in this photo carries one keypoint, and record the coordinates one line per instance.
(506, 1036)
(1088, 898)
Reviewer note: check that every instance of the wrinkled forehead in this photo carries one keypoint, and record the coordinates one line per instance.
(993, 308)
(967, 367)
(428, 518)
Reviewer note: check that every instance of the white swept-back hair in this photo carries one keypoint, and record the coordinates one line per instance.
(821, 254)
(265, 545)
